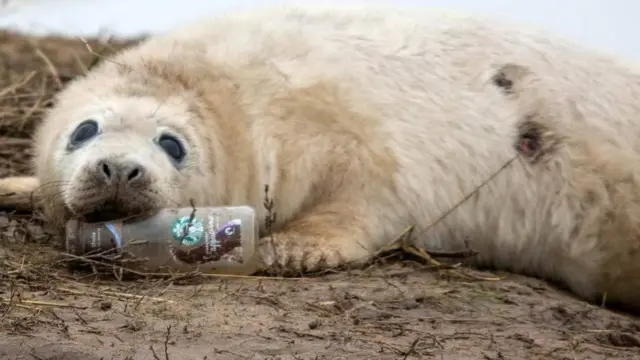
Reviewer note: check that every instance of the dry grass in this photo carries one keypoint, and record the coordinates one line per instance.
(398, 307)
(28, 80)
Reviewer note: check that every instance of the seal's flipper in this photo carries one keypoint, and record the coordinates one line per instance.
(17, 192)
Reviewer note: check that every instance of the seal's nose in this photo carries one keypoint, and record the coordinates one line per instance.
(114, 171)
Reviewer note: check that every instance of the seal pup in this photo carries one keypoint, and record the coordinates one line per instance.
(363, 120)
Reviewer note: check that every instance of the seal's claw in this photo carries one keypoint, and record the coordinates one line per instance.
(287, 255)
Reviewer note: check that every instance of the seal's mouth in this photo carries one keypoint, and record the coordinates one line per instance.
(104, 216)
(106, 212)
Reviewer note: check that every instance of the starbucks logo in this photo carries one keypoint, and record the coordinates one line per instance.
(193, 234)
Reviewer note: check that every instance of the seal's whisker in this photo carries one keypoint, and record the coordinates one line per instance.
(166, 197)
(50, 195)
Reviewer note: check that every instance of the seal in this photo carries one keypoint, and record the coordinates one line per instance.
(363, 121)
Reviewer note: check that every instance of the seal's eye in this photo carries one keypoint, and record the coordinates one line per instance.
(172, 146)
(84, 132)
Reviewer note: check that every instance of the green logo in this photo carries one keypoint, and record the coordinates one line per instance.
(194, 233)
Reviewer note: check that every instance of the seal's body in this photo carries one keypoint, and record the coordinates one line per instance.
(364, 121)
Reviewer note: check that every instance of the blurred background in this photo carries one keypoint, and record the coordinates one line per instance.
(610, 25)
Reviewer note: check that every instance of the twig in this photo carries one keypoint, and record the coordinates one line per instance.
(453, 254)
(166, 346)
(185, 230)
(15, 86)
(155, 356)
(113, 294)
(165, 274)
(12, 294)
(166, 343)
(42, 303)
(90, 49)
(52, 68)
(411, 348)
(271, 217)
(469, 195)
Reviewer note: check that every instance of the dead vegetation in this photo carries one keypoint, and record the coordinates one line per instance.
(399, 307)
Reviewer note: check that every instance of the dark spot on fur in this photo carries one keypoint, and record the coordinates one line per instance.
(502, 81)
(529, 140)
(535, 140)
(529, 143)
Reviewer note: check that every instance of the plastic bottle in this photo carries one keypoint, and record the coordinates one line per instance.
(219, 240)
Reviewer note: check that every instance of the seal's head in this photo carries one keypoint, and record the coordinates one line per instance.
(123, 141)
(120, 159)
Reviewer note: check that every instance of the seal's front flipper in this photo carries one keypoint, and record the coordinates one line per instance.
(327, 236)
(18, 192)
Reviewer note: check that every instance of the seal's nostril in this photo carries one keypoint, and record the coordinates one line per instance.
(106, 170)
(114, 171)
(134, 174)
